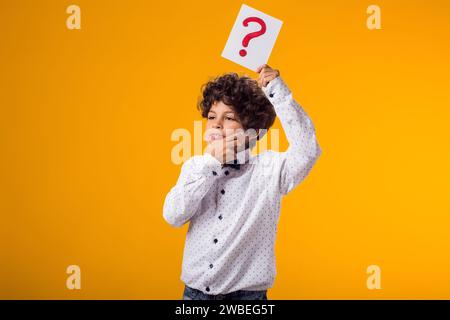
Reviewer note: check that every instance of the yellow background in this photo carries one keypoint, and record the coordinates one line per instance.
(86, 118)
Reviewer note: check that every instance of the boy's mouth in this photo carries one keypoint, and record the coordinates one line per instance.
(215, 136)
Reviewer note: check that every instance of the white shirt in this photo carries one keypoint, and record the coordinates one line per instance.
(234, 213)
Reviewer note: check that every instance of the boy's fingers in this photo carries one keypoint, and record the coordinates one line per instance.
(260, 67)
(237, 135)
(263, 66)
(266, 73)
(233, 136)
(244, 140)
(266, 80)
(261, 78)
(263, 73)
(269, 78)
(232, 144)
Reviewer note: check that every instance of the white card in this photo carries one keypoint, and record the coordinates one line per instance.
(259, 46)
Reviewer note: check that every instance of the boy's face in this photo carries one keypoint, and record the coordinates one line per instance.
(221, 121)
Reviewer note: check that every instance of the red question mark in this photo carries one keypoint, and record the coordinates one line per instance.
(252, 35)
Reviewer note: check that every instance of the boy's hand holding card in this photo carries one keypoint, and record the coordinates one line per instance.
(266, 74)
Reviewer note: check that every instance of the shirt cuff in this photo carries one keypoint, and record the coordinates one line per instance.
(207, 165)
(276, 90)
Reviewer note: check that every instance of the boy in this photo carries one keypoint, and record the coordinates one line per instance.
(232, 198)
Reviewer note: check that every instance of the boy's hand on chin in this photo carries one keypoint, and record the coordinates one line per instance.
(266, 74)
(225, 149)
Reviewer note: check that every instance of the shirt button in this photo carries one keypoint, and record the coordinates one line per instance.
(227, 172)
(220, 217)
(207, 289)
(211, 265)
(271, 95)
(214, 173)
(222, 191)
(215, 240)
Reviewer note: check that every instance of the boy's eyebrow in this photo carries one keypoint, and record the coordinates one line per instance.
(226, 112)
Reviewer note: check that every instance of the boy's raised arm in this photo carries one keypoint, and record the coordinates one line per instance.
(196, 178)
(303, 151)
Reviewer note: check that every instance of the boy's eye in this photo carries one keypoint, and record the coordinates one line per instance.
(227, 118)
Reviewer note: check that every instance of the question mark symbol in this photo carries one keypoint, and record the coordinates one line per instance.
(252, 35)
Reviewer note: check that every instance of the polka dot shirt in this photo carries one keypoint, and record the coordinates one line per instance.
(234, 210)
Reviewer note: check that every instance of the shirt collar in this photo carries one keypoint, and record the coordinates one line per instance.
(242, 157)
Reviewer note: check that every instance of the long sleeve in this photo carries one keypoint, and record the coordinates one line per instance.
(304, 150)
(197, 176)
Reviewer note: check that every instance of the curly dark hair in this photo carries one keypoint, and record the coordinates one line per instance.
(243, 94)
